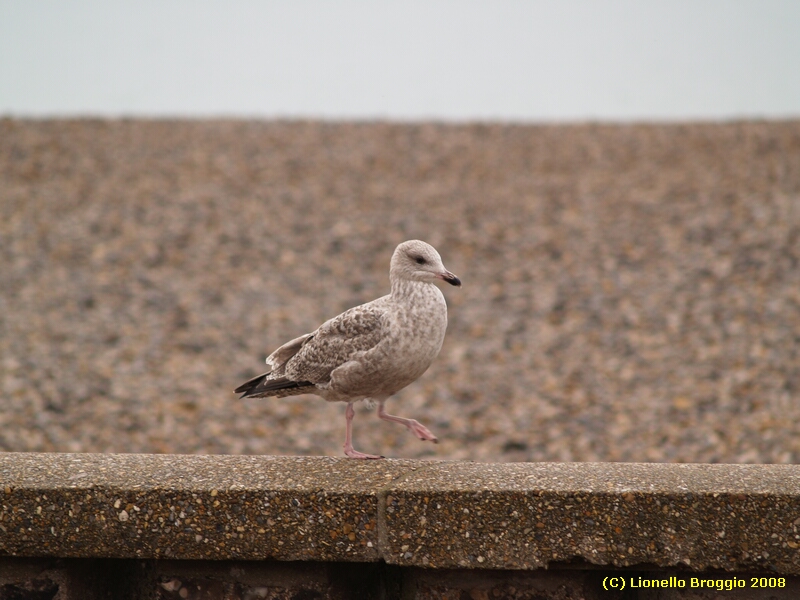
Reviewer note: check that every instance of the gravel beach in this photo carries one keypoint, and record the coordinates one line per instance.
(631, 292)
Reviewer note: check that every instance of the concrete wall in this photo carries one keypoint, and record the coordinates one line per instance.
(173, 526)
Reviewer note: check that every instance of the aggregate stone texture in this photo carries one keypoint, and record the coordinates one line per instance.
(528, 516)
(631, 292)
(513, 516)
(191, 507)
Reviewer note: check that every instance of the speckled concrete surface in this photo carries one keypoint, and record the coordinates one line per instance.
(524, 516)
(408, 513)
(160, 506)
(631, 293)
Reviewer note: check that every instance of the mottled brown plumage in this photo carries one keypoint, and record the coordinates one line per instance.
(371, 351)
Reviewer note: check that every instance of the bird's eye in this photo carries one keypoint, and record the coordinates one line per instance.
(420, 260)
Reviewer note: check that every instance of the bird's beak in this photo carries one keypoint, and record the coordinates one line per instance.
(449, 278)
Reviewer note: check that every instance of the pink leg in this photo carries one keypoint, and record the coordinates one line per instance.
(415, 427)
(348, 439)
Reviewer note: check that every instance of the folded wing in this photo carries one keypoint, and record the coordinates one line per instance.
(306, 362)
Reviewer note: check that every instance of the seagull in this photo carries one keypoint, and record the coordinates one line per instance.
(371, 351)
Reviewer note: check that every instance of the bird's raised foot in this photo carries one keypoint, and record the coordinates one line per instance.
(422, 432)
(353, 453)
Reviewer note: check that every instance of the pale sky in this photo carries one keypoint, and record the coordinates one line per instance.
(559, 60)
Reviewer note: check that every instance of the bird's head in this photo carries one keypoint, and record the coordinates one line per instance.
(417, 261)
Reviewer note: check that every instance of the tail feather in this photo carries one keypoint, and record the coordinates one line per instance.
(262, 386)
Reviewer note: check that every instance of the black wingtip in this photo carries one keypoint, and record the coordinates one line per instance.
(250, 384)
(262, 385)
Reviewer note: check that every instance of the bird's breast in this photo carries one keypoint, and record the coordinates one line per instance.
(417, 331)
(412, 335)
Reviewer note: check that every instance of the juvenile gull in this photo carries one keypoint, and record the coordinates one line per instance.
(371, 351)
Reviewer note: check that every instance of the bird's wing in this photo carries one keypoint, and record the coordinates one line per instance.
(338, 341)
(266, 384)
(274, 383)
(277, 360)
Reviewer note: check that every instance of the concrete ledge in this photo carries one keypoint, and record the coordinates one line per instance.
(409, 513)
